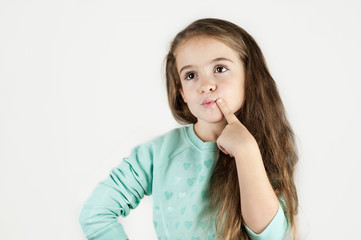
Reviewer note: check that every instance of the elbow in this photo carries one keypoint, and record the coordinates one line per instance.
(94, 221)
(84, 220)
(91, 221)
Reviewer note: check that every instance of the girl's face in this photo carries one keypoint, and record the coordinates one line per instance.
(208, 70)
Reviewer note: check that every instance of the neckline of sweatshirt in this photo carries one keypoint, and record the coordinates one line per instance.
(197, 142)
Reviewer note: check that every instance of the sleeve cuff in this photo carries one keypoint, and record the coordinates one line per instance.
(276, 229)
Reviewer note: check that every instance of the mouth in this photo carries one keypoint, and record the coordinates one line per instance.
(208, 103)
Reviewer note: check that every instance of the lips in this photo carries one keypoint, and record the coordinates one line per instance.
(208, 102)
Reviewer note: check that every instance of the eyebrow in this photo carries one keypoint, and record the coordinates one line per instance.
(214, 60)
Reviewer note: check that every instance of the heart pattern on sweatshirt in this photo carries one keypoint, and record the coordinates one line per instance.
(208, 163)
(177, 225)
(203, 224)
(188, 224)
(182, 194)
(190, 181)
(176, 180)
(195, 209)
(186, 165)
(168, 195)
(186, 195)
(182, 210)
(201, 178)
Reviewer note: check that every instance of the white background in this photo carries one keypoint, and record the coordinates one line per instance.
(82, 83)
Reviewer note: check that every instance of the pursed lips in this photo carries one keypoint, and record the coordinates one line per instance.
(208, 102)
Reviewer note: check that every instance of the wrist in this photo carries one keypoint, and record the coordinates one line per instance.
(251, 150)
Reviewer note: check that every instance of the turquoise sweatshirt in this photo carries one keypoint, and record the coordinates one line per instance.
(175, 169)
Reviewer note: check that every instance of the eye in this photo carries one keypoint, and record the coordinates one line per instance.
(190, 76)
(220, 69)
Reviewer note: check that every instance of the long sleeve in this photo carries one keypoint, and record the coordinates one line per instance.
(116, 195)
(276, 229)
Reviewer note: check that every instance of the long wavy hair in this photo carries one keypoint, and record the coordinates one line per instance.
(262, 113)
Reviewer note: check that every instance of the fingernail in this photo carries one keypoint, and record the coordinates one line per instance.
(219, 100)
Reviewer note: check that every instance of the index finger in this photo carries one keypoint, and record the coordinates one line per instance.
(228, 114)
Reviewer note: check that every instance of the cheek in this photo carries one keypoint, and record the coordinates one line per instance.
(188, 93)
(234, 97)
(239, 100)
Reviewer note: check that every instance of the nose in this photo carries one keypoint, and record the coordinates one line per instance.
(207, 85)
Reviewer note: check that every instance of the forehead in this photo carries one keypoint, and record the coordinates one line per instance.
(200, 50)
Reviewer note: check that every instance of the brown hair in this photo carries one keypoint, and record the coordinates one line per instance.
(262, 113)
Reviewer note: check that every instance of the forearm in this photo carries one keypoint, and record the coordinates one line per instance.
(259, 203)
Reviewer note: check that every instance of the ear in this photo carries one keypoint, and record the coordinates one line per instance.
(182, 93)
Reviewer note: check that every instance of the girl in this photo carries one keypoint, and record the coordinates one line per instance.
(228, 173)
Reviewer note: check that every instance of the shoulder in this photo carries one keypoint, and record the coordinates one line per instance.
(174, 138)
(163, 147)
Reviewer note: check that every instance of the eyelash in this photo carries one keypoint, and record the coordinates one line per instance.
(218, 66)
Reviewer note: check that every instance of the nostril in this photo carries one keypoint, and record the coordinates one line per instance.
(204, 89)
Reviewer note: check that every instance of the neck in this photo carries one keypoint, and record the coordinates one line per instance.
(209, 132)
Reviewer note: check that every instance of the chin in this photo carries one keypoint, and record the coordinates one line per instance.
(210, 117)
(214, 119)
